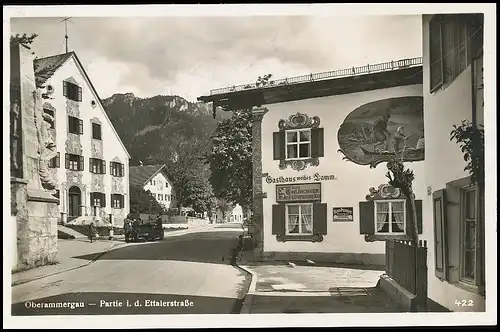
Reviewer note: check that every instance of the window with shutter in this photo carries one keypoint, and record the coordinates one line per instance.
(440, 252)
(74, 162)
(278, 222)
(367, 218)
(96, 131)
(317, 143)
(320, 218)
(81, 166)
(279, 145)
(436, 53)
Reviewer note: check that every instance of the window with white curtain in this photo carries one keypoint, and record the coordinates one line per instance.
(390, 217)
(299, 218)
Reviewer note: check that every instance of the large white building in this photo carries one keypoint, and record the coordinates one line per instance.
(153, 178)
(91, 166)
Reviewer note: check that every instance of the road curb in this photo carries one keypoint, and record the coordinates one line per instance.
(25, 281)
(247, 303)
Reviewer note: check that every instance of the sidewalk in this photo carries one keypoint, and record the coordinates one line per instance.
(280, 287)
(68, 252)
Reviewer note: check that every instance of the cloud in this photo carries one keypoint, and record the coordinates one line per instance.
(156, 54)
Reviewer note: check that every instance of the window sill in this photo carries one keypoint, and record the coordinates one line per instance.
(299, 237)
(380, 237)
(467, 287)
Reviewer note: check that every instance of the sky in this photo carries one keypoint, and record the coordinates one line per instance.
(189, 56)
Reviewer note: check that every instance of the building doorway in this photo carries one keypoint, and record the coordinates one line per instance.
(75, 200)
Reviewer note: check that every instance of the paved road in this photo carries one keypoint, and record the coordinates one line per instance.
(189, 274)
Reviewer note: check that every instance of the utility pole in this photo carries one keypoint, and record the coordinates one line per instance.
(66, 20)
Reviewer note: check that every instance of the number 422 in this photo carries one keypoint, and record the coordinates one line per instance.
(464, 303)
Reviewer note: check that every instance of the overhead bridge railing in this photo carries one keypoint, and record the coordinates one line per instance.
(354, 71)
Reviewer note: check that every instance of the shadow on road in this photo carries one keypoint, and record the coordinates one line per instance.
(210, 247)
(126, 304)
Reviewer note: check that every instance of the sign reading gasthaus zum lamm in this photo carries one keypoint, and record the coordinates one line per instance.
(298, 192)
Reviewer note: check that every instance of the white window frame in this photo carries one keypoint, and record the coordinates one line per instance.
(298, 131)
(466, 280)
(96, 201)
(300, 218)
(390, 201)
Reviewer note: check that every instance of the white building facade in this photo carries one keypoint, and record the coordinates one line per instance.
(153, 178)
(452, 87)
(91, 167)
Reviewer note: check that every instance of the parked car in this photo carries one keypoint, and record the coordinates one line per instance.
(150, 231)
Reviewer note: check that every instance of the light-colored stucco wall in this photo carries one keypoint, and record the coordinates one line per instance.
(444, 162)
(352, 181)
(112, 149)
(159, 184)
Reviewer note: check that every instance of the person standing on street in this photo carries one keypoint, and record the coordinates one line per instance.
(92, 232)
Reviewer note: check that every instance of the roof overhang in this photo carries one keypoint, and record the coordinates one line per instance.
(237, 100)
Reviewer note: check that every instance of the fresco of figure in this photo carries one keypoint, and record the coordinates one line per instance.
(381, 135)
(46, 145)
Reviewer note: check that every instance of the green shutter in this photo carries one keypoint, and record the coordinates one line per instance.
(279, 145)
(279, 219)
(317, 143)
(320, 218)
(367, 217)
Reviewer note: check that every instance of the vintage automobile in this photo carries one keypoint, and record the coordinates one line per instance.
(149, 231)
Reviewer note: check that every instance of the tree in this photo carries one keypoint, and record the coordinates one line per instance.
(402, 178)
(24, 40)
(224, 207)
(142, 201)
(230, 159)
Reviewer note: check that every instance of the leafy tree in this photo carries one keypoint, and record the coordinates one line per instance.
(142, 201)
(224, 207)
(24, 39)
(230, 159)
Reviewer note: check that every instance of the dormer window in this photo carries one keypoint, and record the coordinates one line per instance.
(72, 91)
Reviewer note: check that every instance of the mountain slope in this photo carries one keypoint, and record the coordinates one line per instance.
(161, 128)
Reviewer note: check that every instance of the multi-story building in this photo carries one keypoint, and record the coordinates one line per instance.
(154, 178)
(91, 166)
(453, 92)
(329, 131)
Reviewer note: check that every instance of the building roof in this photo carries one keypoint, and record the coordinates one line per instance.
(46, 67)
(140, 175)
(342, 81)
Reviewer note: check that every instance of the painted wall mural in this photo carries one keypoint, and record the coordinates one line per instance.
(373, 133)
